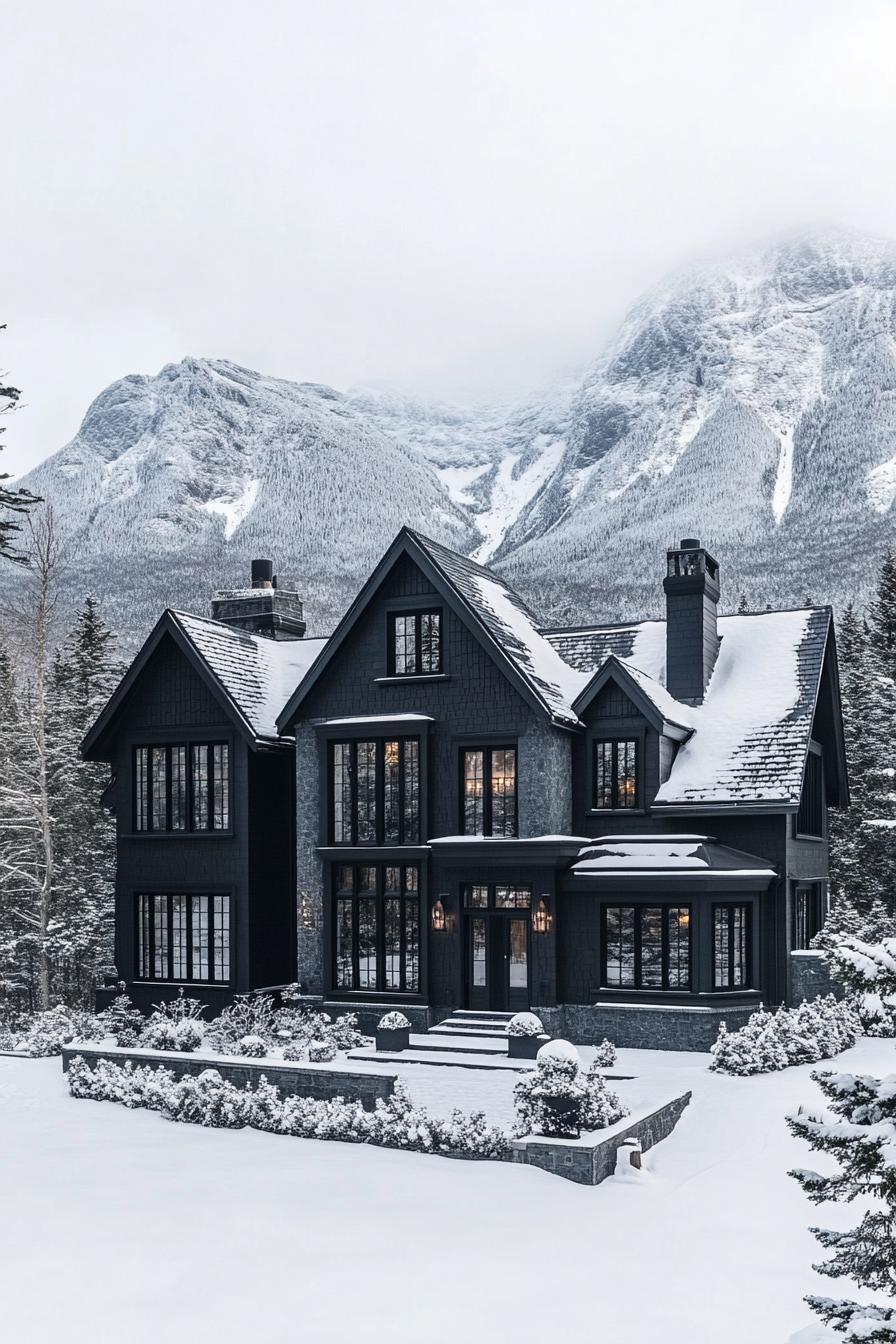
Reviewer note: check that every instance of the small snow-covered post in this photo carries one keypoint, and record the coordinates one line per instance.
(629, 1155)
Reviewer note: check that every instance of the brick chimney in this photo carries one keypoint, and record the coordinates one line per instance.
(691, 586)
(262, 609)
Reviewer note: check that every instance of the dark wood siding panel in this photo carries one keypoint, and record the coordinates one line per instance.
(170, 693)
(272, 952)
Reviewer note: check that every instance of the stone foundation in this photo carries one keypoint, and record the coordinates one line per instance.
(420, 1015)
(810, 977)
(642, 1026)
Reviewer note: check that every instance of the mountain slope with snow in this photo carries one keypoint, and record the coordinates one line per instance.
(751, 402)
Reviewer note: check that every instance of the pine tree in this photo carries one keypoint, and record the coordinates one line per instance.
(11, 501)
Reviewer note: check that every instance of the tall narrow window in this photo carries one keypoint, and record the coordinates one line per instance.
(616, 773)
(646, 946)
(806, 914)
(489, 791)
(731, 946)
(810, 817)
(141, 788)
(377, 927)
(415, 643)
(375, 792)
(183, 938)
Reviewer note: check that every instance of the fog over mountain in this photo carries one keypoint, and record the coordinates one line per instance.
(751, 402)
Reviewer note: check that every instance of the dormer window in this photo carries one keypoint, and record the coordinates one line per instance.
(615, 774)
(415, 643)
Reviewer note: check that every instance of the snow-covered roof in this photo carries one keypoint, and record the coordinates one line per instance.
(653, 854)
(750, 736)
(361, 719)
(259, 675)
(514, 628)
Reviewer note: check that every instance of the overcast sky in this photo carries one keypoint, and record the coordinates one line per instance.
(456, 199)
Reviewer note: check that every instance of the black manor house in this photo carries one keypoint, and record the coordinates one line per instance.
(446, 804)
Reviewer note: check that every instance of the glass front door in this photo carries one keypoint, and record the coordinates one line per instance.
(498, 962)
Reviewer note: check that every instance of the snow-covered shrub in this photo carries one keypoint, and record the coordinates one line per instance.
(393, 1021)
(295, 1052)
(816, 1029)
(302, 1025)
(211, 1100)
(252, 1047)
(605, 1054)
(248, 1015)
(524, 1024)
(344, 1032)
(557, 1077)
(869, 970)
(321, 1052)
(122, 1020)
(46, 1033)
(162, 1033)
(600, 1106)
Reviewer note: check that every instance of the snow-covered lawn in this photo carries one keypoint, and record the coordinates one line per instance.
(118, 1224)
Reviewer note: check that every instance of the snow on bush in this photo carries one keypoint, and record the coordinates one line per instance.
(47, 1032)
(252, 1047)
(210, 1100)
(558, 1076)
(250, 1015)
(524, 1024)
(160, 1033)
(393, 1021)
(869, 969)
(294, 1052)
(122, 1020)
(605, 1054)
(817, 1029)
(321, 1052)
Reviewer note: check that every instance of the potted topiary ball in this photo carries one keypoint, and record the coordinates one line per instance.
(393, 1032)
(560, 1091)
(525, 1036)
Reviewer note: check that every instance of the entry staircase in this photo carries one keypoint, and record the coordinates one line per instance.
(467, 1039)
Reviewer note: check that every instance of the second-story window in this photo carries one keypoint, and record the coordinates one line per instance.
(182, 787)
(616, 773)
(375, 792)
(810, 818)
(488, 787)
(415, 643)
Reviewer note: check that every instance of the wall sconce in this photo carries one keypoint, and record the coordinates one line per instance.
(439, 918)
(541, 918)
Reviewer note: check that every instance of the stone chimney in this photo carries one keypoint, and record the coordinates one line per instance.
(262, 609)
(691, 586)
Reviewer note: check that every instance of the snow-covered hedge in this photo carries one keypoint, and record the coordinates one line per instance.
(393, 1021)
(174, 1025)
(524, 1024)
(558, 1076)
(817, 1029)
(321, 1052)
(605, 1054)
(210, 1100)
(46, 1033)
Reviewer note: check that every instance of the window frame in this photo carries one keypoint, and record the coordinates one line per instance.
(812, 794)
(638, 906)
(417, 614)
(493, 905)
(379, 840)
(613, 740)
(815, 912)
(749, 935)
(188, 893)
(487, 748)
(380, 896)
(187, 745)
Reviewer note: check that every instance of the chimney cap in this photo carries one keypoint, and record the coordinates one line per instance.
(262, 573)
(689, 544)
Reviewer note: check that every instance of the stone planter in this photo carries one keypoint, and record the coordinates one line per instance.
(525, 1047)
(393, 1038)
(562, 1117)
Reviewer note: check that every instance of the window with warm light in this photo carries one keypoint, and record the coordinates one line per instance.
(489, 791)
(616, 773)
(646, 947)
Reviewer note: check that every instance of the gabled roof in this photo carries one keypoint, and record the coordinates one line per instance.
(653, 700)
(250, 676)
(490, 608)
(751, 734)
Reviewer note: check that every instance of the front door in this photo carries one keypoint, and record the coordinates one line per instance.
(498, 962)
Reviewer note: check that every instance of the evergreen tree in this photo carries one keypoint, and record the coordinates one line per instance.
(11, 501)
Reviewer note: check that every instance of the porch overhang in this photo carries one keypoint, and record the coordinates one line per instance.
(550, 851)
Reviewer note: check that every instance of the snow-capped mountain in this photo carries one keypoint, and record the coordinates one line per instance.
(751, 402)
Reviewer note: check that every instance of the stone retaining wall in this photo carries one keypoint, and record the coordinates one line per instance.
(301, 1080)
(589, 1164)
(642, 1026)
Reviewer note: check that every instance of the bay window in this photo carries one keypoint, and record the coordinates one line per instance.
(182, 787)
(489, 791)
(646, 947)
(377, 927)
(183, 937)
(375, 792)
